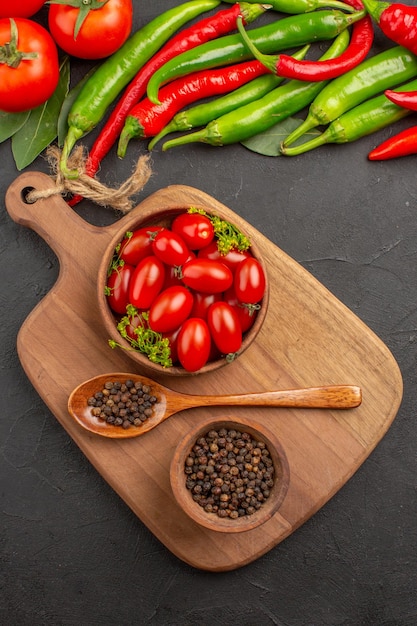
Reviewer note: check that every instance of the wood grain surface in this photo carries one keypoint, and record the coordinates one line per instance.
(309, 338)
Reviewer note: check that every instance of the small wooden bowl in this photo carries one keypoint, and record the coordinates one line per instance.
(210, 519)
(164, 217)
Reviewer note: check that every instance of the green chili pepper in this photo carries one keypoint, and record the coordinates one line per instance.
(203, 113)
(302, 6)
(382, 71)
(258, 116)
(289, 32)
(119, 69)
(364, 119)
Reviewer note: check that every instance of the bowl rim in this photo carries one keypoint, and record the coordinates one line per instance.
(211, 520)
(152, 217)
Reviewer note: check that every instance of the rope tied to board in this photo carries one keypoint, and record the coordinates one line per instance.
(119, 199)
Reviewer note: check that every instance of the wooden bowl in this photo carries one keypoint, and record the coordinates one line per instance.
(211, 520)
(164, 216)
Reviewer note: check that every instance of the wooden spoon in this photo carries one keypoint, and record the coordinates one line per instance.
(170, 402)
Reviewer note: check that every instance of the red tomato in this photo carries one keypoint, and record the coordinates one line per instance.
(170, 309)
(146, 282)
(135, 321)
(103, 31)
(249, 282)
(138, 245)
(193, 344)
(231, 259)
(117, 288)
(170, 248)
(224, 326)
(196, 230)
(202, 301)
(206, 275)
(33, 81)
(246, 315)
(23, 8)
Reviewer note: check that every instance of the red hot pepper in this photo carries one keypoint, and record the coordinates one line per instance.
(147, 119)
(405, 99)
(288, 67)
(402, 144)
(204, 30)
(397, 21)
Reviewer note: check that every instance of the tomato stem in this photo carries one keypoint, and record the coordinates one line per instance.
(9, 53)
(84, 6)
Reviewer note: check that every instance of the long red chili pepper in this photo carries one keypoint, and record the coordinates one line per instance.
(406, 99)
(397, 21)
(288, 67)
(402, 144)
(204, 30)
(147, 119)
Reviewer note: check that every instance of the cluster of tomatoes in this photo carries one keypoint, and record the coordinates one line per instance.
(201, 300)
(29, 66)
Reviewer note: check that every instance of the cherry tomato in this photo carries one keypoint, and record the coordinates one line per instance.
(224, 326)
(170, 309)
(135, 321)
(202, 301)
(117, 289)
(249, 282)
(23, 8)
(103, 31)
(246, 315)
(138, 245)
(170, 248)
(146, 282)
(33, 80)
(196, 230)
(206, 275)
(194, 344)
(231, 259)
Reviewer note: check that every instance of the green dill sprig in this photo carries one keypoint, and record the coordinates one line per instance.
(228, 236)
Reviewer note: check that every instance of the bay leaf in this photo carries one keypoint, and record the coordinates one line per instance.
(67, 104)
(10, 123)
(268, 143)
(41, 127)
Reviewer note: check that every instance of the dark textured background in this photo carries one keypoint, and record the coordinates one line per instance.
(73, 553)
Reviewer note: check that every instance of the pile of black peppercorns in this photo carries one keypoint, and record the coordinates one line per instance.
(123, 404)
(229, 473)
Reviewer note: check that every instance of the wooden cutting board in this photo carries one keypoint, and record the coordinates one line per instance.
(309, 338)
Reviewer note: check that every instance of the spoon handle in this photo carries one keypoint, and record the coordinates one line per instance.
(328, 397)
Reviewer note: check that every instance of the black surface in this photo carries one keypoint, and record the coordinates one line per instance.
(73, 553)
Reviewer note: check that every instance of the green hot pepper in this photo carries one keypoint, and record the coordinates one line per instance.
(364, 119)
(382, 71)
(258, 116)
(282, 34)
(119, 69)
(303, 6)
(203, 113)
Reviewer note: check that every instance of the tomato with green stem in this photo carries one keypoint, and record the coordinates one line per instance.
(29, 66)
(90, 29)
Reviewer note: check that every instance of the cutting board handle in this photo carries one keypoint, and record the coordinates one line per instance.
(56, 222)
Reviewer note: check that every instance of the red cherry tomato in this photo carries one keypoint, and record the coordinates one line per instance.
(249, 282)
(117, 288)
(103, 31)
(138, 245)
(202, 301)
(224, 326)
(231, 259)
(146, 282)
(32, 81)
(196, 230)
(170, 309)
(23, 8)
(206, 275)
(170, 248)
(194, 344)
(246, 315)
